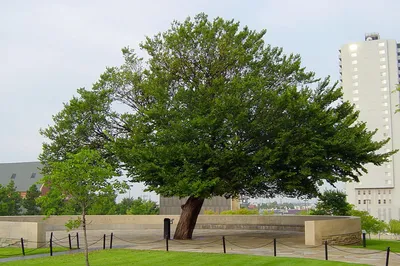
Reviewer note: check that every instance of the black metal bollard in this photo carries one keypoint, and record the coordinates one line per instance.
(274, 247)
(387, 256)
(22, 246)
(51, 244)
(111, 239)
(69, 241)
(166, 244)
(223, 244)
(77, 240)
(364, 239)
(326, 250)
(167, 228)
(104, 241)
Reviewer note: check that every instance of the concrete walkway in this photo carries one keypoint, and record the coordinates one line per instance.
(289, 244)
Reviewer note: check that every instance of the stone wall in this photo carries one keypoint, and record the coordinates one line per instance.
(34, 234)
(339, 232)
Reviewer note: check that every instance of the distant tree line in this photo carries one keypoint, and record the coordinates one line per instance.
(13, 204)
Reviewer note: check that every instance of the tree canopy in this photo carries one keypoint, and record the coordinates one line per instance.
(10, 200)
(215, 111)
(332, 202)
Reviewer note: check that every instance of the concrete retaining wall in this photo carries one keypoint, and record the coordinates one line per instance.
(33, 233)
(335, 229)
(336, 232)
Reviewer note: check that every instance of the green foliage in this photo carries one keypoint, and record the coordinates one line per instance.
(73, 224)
(369, 223)
(82, 179)
(143, 207)
(304, 212)
(241, 211)
(332, 202)
(124, 206)
(267, 212)
(55, 203)
(10, 200)
(394, 227)
(210, 212)
(105, 204)
(29, 202)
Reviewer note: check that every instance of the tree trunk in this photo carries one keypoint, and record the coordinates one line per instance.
(85, 236)
(188, 219)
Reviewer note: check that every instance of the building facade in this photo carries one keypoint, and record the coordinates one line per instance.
(370, 74)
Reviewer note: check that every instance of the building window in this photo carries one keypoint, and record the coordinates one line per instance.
(381, 44)
(13, 176)
(383, 66)
(390, 201)
(384, 89)
(383, 74)
(379, 192)
(385, 134)
(384, 192)
(364, 201)
(390, 192)
(355, 84)
(388, 166)
(385, 97)
(383, 59)
(387, 174)
(359, 201)
(354, 62)
(386, 119)
(384, 81)
(355, 77)
(353, 54)
(386, 112)
(355, 69)
(382, 52)
(358, 192)
(355, 91)
(357, 106)
(384, 201)
(379, 201)
(369, 192)
(356, 99)
(385, 104)
(387, 127)
(353, 47)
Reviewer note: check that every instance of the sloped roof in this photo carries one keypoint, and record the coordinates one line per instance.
(24, 174)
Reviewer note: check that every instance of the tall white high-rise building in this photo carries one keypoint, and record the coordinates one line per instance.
(370, 74)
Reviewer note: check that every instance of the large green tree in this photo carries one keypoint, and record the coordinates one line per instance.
(143, 207)
(214, 111)
(369, 223)
(82, 179)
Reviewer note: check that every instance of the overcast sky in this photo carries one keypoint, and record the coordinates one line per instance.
(48, 49)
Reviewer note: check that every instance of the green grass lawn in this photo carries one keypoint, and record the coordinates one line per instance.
(154, 258)
(381, 245)
(12, 252)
